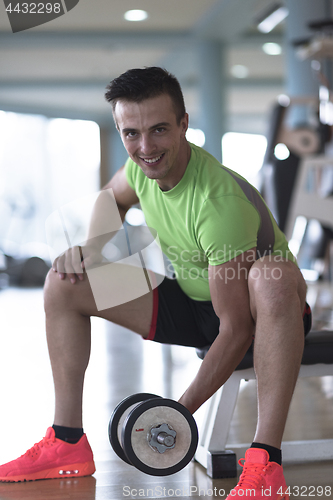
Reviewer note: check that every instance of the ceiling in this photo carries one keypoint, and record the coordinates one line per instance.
(61, 68)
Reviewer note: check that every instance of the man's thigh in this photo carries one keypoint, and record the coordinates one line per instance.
(122, 295)
(275, 282)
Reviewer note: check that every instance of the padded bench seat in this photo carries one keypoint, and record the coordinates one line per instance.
(318, 348)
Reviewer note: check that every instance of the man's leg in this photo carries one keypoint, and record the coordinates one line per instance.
(65, 451)
(277, 299)
(68, 309)
(277, 294)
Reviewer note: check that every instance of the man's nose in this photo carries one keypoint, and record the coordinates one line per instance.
(147, 145)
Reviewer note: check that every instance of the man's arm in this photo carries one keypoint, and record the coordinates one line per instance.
(230, 297)
(124, 195)
(106, 207)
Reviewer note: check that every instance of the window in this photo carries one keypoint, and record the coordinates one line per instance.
(44, 163)
(244, 153)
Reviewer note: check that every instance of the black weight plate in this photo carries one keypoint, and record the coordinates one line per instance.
(118, 412)
(135, 431)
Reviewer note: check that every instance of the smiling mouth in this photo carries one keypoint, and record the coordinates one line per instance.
(152, 161)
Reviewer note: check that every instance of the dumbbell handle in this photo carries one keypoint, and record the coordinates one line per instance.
(166, 439)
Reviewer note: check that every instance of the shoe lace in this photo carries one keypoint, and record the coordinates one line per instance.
(46, 441)
(252, 475)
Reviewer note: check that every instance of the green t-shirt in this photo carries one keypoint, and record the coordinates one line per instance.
(211, 216)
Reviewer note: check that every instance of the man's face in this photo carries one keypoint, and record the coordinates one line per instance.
(151, 135)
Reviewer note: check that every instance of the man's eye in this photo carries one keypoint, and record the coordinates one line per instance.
(160, 130)
(130, 135)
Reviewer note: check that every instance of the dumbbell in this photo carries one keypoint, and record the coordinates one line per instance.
(158, 436)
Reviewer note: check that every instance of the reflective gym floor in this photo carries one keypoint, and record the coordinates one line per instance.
(123, 364)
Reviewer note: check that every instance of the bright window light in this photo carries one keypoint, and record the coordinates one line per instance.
(275, 18)
(244, 153)
(281, 152)
(83, 132)
(196, 136)
(326, 112)
(135, 217)
(240, 71)
(57, 161)
(310, 274)
(298, 234)
(272, 49)
(136, 15)
(324, 93)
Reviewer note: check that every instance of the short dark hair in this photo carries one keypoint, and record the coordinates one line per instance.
(139, 84)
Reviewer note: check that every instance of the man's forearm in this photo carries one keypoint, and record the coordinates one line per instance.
(106, 220)
(223, 357)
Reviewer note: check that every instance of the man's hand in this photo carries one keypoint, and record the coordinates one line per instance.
(74, 261)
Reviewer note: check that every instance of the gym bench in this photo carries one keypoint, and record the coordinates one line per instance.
(212, 454)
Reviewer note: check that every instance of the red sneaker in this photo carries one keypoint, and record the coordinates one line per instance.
(51, 458)
(260, 478)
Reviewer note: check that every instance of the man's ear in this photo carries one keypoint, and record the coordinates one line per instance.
(184, 123)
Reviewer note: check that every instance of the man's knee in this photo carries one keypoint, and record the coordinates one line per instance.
(57, 292)
(275, 283)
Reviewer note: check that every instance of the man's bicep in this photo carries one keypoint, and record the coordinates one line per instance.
(228, 285)
(124, 195)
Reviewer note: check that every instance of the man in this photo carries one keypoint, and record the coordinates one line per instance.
(235, 280)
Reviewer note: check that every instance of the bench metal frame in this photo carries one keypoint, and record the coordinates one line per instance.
(219, 412)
